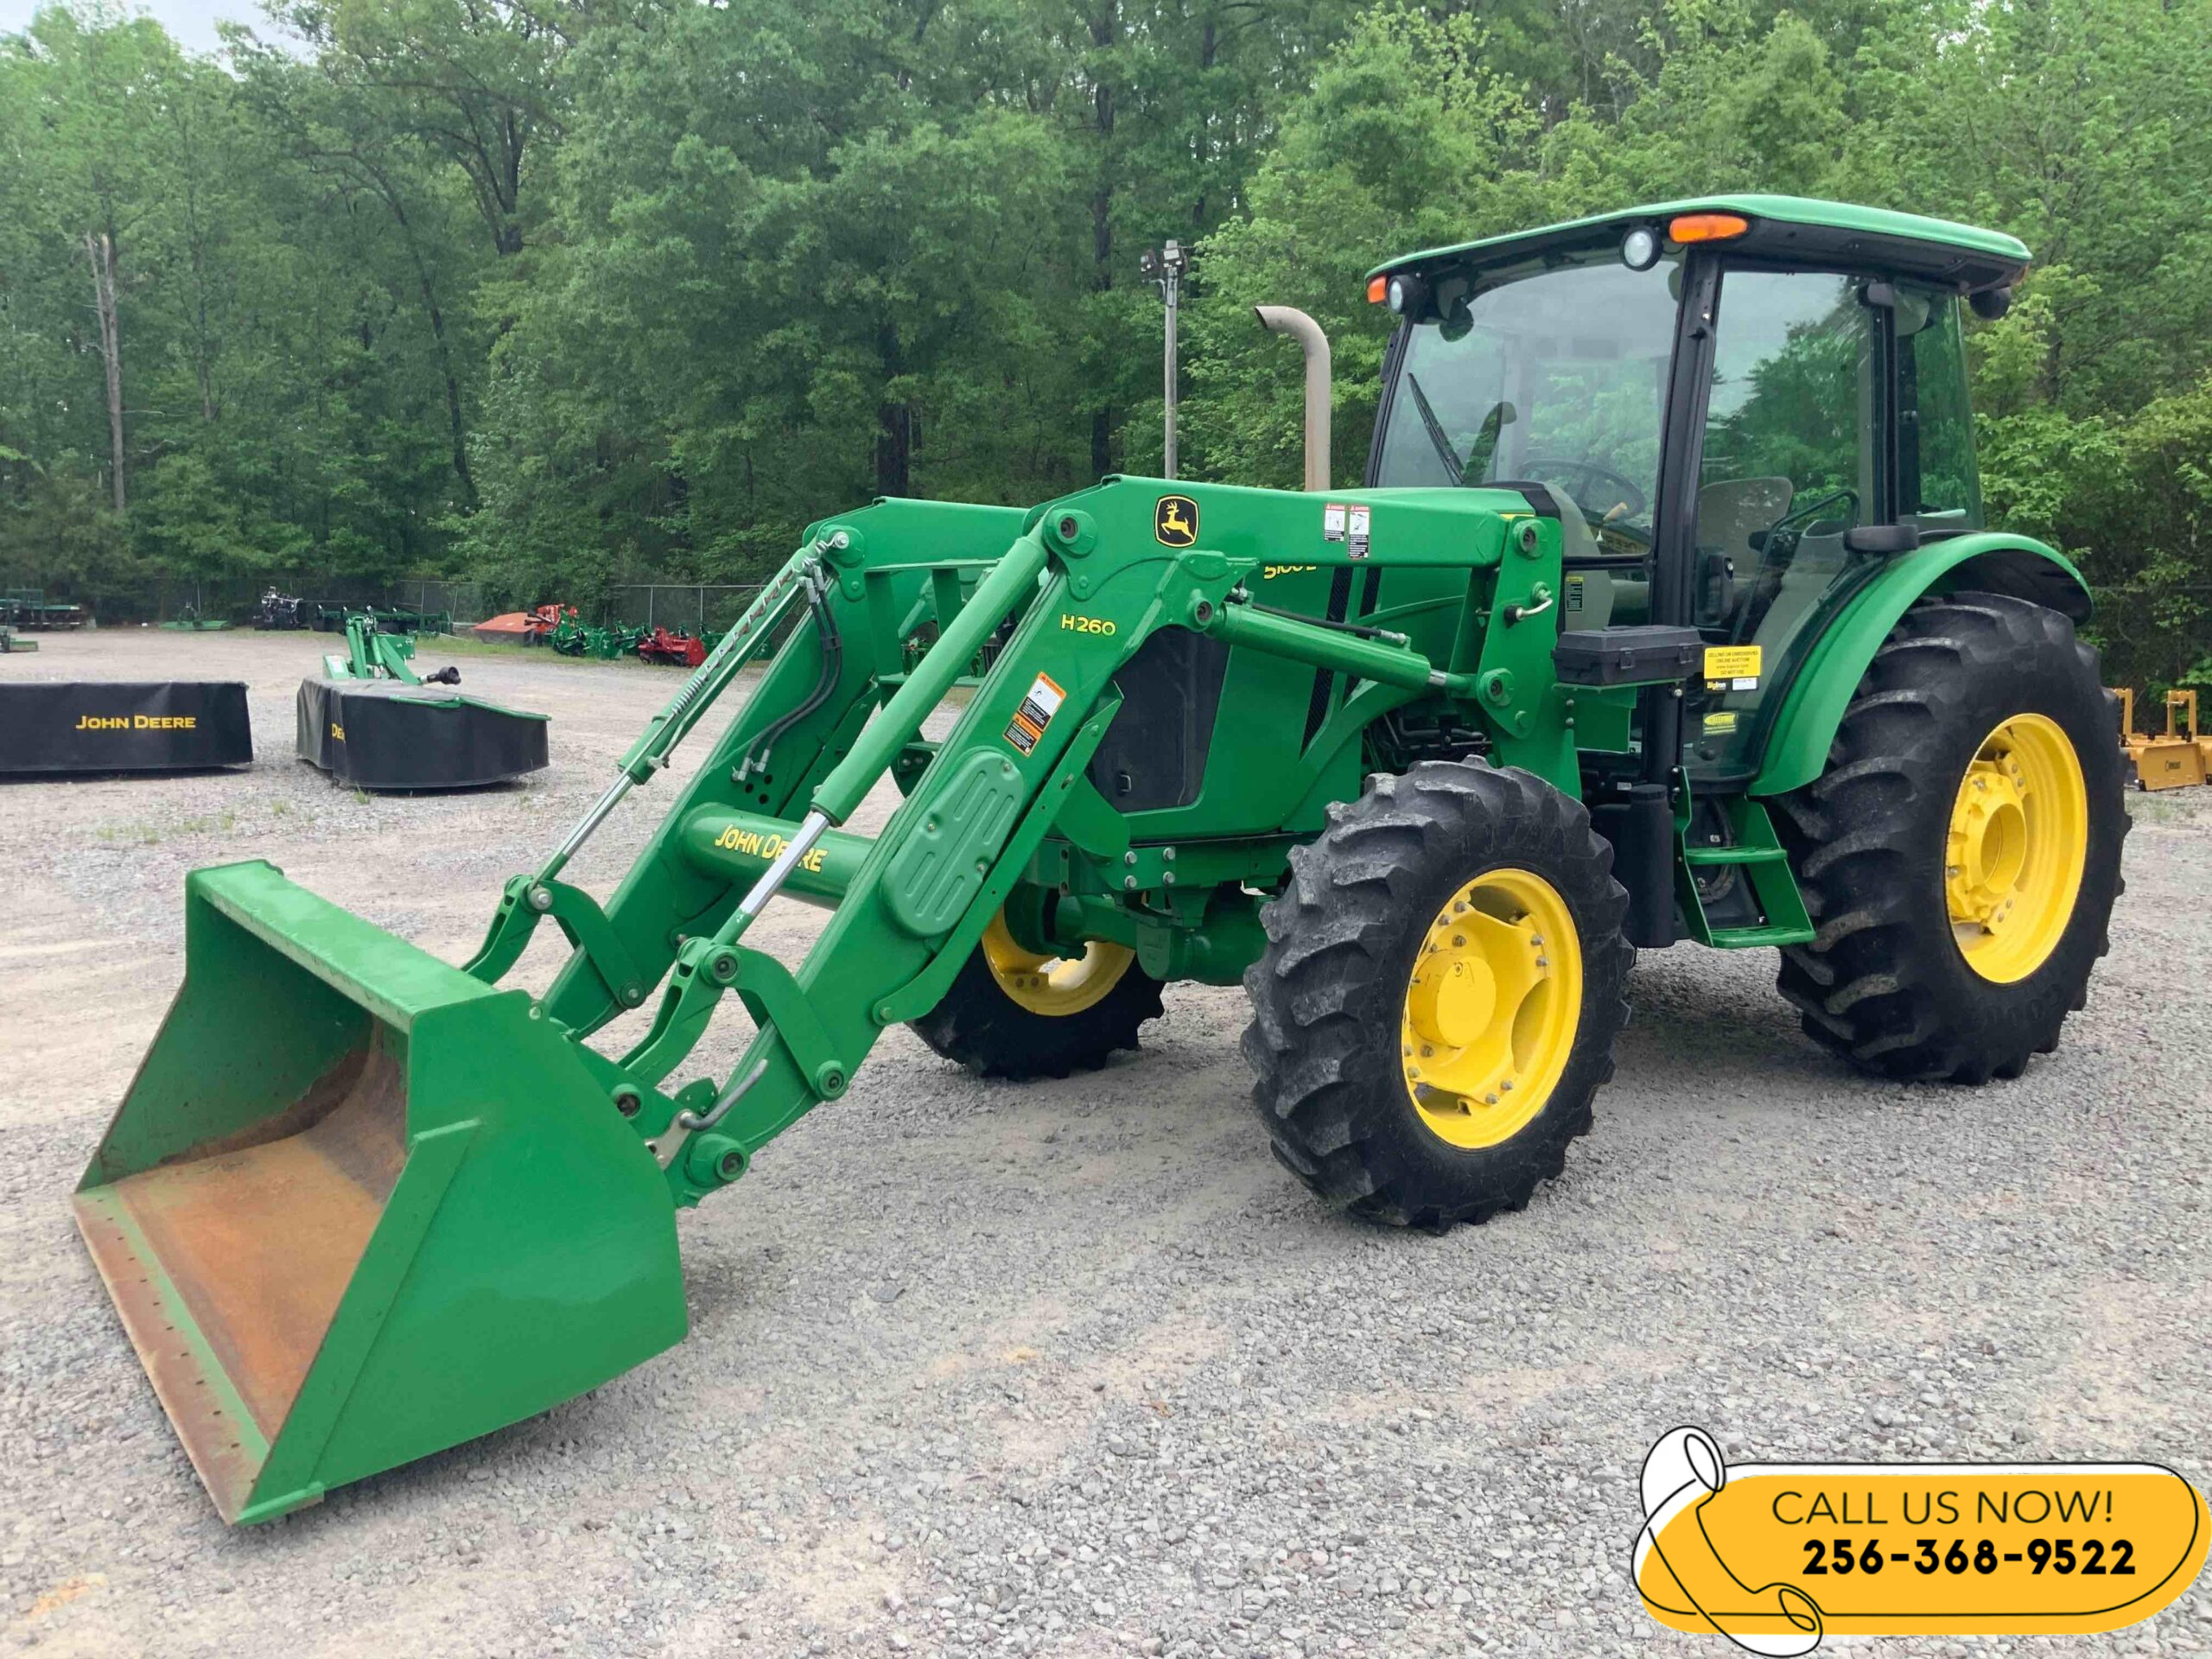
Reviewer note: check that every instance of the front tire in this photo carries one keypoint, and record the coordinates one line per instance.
(1961, 855)
(1014, 1013)
(1440, 996)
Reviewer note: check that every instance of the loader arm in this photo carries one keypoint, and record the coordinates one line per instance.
(917, 897)
(879, 576)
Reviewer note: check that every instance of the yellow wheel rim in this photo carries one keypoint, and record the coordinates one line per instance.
(1492, 1007)
(2012, 859)
(1054, 986)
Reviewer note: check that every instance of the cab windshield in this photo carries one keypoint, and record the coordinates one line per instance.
(1551, 373)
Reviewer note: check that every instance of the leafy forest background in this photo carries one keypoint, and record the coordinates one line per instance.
(561, 296)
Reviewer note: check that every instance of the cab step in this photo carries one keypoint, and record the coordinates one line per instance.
(1753, 846)
(1710, 856)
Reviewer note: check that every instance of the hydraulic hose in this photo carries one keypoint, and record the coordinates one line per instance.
(833, 655)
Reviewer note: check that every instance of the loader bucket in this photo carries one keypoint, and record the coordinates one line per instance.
(358, 1207)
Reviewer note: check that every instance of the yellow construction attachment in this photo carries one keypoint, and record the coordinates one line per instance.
(2175, 758)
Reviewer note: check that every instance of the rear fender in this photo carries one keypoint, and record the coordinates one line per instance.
(1988, 562)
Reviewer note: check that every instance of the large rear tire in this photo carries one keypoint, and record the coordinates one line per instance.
(1014, 1013)
(1439, 999)
(1961, 855)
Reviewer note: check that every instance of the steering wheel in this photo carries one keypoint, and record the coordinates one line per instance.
(1575, 476)
(1777, 545)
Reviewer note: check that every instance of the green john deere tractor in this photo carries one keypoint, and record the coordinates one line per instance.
(1666, 613)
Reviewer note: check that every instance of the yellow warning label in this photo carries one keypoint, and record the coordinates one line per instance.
(1732, 662)
(1723, 721)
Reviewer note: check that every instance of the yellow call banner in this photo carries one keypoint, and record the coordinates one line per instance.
(1775, 1556)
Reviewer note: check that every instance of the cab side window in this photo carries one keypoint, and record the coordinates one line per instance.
(1938, 484)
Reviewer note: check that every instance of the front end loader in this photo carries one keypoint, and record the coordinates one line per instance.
(1665, 614)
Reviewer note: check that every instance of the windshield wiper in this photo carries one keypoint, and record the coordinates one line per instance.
(1452, 468)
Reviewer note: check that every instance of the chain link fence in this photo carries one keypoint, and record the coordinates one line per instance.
(680, 606)
(684, 607)
(237, 599)
(462, 600)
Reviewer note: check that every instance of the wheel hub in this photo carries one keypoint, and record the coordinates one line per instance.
(1492, 1007)
(1988, 840)
(2015, 850)
(1452, 1007)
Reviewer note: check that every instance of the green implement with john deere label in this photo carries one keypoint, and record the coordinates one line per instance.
(1665, 612)
(371, 721)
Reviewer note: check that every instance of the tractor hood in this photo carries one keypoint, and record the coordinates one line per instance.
(1419, 524)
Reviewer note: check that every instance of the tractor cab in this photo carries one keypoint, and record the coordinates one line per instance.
(1739, 408)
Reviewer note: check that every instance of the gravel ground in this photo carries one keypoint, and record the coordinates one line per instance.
(1073, 1368)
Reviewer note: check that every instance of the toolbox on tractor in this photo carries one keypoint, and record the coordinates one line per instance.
(1665, 612)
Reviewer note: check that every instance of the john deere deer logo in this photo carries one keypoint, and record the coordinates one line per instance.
(1176, 520)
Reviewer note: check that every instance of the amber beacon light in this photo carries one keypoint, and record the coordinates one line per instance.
(1707, 227)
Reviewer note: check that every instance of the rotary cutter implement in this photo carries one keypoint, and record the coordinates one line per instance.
(372, 721)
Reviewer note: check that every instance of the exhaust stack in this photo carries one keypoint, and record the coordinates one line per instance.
(1289, 320)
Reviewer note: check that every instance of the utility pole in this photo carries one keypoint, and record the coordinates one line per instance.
(1165, 266)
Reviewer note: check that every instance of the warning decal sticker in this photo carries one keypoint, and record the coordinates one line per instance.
(1038, 705)
(1732, 668)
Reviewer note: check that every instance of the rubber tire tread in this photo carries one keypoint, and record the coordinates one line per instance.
(1883, 983)
(978, 1025)
(1328, 995)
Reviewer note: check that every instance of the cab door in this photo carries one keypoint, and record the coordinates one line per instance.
(1837, 400)
(1794, 456)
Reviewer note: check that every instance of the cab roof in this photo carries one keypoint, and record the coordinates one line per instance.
(1781, 227)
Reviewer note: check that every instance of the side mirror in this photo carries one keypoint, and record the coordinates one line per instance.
(1881, 538)
(1991, 304)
